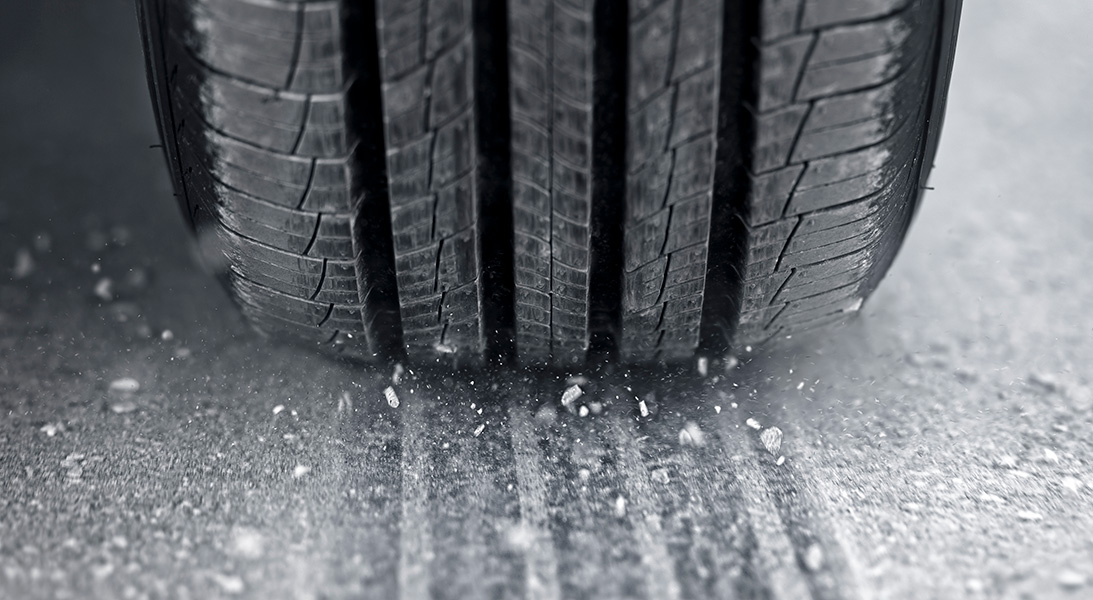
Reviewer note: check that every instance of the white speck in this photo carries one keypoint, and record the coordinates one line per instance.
(717, 409)
(43, 242)
(444, 349)
(570, 395)
(975, 586)
(855, 307)
(1006, 461)
(478, 430)
(392, 397)
(1028, 515)
(104, 289)
(231, 584)
(1044, 380)
(747, 348)
(96, 267)
(993, 498)
(167, 335)
(125, 406)
(781, 461)
(753, 423)
(52, 429)
(772, 439)
(643, 408)
(692, 435)
(125, 385)
(277, 409)
(1071, 483)
(584, 474)
(912, 507)
(1071, 579)
(24, 264)
(300, 470)
(814, 558)
(1051, 456)
(703, 366)
(801, 385)
(620, 506)
(660, 476)
(731, 362)
(734, 405)
(396, 377)
(582, 411)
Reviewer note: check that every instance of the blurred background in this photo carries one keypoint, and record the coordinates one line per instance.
(152, 446)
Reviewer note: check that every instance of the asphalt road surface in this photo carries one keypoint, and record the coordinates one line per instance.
(939, 447)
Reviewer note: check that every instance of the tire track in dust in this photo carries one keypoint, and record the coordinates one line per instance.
(415, 543)
(541, 570)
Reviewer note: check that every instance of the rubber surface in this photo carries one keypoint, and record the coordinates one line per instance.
(532, 180)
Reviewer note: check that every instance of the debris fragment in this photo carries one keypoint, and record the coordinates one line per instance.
(576, 380)
(123, 407)
(1071, 579)
(246, 543)
(660, 475)
(643, 408)
(444, 349)
(1028, 515)
(717, 409)
(24, 264)
(546, 414)
(345, 402)
(231, 584)
(620, 506)
(104, 289)
(595, 407)
(396, 377)
(751, 422)
(692, 435)
(703, 366)
(731, 362)
(781, 461)
(300, 470)
(582, 411)
(814, 557)
(125, 385)
(277, 409)
(772, 439)
(801, 385)
(1044, 380)
(1006, 461)
(478, 430)
(392, 397)
(1071, 483)
(1050, 456)
(570, 395)
(52, 429)
(167, 335)
(584, 474)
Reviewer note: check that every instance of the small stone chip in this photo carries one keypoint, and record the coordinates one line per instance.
(570, 395)
(643, 408)
(52, 429)
(300, 470)
(478, 430)
(277, 409)
(396, 377)
(392, 397)
(753, 423)
(620, 506)
(692, 435)
(125, 385)
(231, 584)
(582, 411)
(772, 439)
(123, 407)
(814, 558)
(1071, 579)
(104, 289)
(703, 366)
(781, 461)
(1028, 515)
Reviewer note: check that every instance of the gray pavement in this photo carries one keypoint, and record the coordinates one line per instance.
(939, 447)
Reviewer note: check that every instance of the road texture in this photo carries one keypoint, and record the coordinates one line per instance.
(939, 447)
